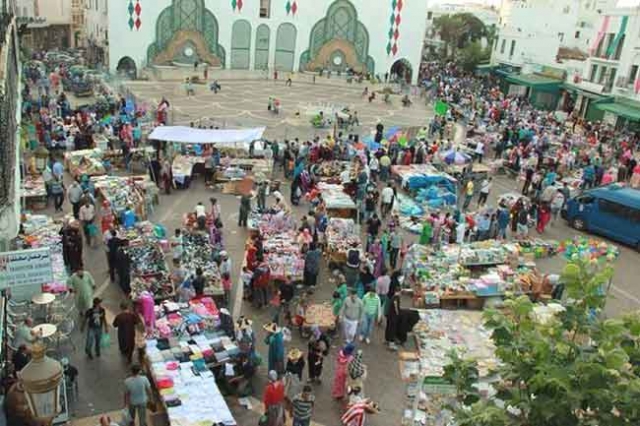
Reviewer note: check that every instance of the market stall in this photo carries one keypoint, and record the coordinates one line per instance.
(338, 202)
(34, 192)
(138, 192)
(199, 253)
(186, 342)
(149, 269)
(438, 333)
(283, 254)
(464, 275)
(341, 235)
(85, 162)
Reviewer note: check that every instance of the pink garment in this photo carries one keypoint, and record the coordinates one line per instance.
(607, 178)
(148, 314)
(339, 387)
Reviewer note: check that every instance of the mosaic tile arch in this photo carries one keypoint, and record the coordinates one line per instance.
(338, 41)
(186, 32)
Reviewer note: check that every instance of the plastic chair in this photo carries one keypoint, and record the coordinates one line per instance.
(65, 329)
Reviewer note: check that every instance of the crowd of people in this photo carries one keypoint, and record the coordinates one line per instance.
(542, 150)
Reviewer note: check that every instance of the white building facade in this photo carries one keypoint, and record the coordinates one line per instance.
(284, 35)
(608, 86)
(53, 28)
(96, 23)
(551, 33)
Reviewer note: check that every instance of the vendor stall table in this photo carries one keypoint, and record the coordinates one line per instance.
(84, 162)
(188, 342)
(34, 192)
(341, 234)
(199, 253)
(338, 202)
(320, 315)
(137, 191)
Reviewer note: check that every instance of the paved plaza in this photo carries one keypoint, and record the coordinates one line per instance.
(243, 103)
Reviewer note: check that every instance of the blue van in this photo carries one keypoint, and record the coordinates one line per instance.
(612, 211)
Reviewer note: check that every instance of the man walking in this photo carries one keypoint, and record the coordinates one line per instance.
(350, 314)
(87, 214)
(137, 394)
(75, 196)
(303, 407)
(468, 191)
(485, 188)
(95, 321)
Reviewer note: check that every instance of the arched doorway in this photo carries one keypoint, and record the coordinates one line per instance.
(127, 67)
(285, 47)
(240, 45)
(401, 72)
(261, 61)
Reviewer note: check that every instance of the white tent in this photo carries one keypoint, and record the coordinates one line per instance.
(183, 134)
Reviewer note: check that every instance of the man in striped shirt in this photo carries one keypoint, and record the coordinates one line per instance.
(372, 313)
(303, 407)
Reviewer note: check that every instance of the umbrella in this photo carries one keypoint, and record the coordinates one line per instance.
(455, 157)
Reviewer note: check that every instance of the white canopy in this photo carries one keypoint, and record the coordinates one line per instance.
(185, 134)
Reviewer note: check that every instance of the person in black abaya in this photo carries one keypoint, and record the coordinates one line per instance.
(393, 316)
(123, 268)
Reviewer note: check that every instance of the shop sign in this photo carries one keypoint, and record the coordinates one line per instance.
(25, 268)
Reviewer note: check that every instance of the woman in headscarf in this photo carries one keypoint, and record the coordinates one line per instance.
(293, 375)
(393, 312)
(357, 372)
(318, 349)
(274, 401)
(275, 341)
(339, 387)
(377, 252)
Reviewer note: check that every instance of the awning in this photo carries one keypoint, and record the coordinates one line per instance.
(183, 134)
(534, 81)
(621, 109)
(584, 92)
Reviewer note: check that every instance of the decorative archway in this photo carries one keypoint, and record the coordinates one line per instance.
(186, 32)
(285, 47)
(240, 45)
(338, 41)
(261, 60)
(401, 70)
(127, 66)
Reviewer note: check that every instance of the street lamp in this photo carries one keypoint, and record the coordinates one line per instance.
(40, 380)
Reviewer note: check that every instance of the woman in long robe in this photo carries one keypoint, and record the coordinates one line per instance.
(393, 313)
(339, 388)
(83, 285)
(378, 256)
(318, 349)
(275, 341)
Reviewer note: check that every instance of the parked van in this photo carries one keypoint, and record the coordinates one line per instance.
(612, 211)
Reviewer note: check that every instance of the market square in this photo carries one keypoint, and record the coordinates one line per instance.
(279, 215)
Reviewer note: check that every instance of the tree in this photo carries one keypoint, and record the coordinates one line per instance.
(458, 30)
(471, 55)
(572, 369)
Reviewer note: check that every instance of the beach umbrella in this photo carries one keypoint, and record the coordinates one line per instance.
(455, 157)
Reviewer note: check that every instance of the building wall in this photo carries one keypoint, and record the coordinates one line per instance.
(96, 20)
(616, 75)
(125, 41)
(538, 28)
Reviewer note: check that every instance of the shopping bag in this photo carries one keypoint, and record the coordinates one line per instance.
(92, 229)
(105, 340)
(126, 419)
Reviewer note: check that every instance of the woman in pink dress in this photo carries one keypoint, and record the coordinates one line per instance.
(635, 177)
(378, 256)
(338, 390)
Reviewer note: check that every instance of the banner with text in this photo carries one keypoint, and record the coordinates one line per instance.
(25, 268)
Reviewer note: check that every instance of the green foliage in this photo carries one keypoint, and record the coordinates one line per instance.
(576, 370)
(459, 30)
(471, 55)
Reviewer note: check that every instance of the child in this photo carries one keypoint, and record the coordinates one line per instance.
(226, 286)
(336, 306)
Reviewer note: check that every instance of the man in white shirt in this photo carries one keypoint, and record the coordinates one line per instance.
(485, 188)
(374, 166)
(387, 197)
(201, 215)
(86, 215)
